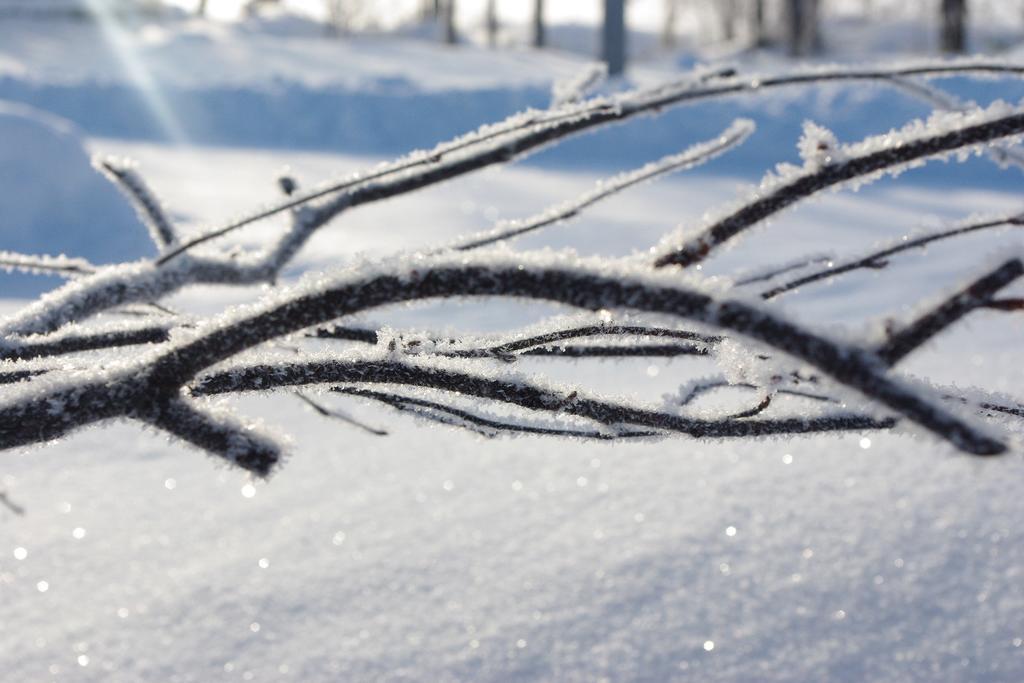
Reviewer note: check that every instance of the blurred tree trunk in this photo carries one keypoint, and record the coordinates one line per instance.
(802, 32)
(201, 9)
(758, 28)
(727, 15)
(492, 23)
(430, 9)
(450, 36)
(613, 37)
(540, 38)
(668, 28)
(954, 31)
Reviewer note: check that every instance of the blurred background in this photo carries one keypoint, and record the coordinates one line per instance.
(798, 27)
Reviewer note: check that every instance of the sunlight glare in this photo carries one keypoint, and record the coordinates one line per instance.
(120, 43)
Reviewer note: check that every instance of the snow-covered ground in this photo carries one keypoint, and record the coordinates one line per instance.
(436, 555)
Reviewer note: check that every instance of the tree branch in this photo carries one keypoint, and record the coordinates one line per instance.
(483, 425)
(217, 434)
(577, 287)
(699, 154)
(865, 161)
(523, 133)
(147, 206)
(518, 392)
(58, 345)
(952, 309)
(45, 265)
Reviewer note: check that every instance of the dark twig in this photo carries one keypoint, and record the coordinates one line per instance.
(10, 504)
(772, 273)
(698, 154)
(338, 415)
(149, 389)
(879, 259)
(508, 350)
(1005, 305)
(358, 334)
(975, 295)
(615, 351)
(44, 347)
(756, 410)
(490, 426)
(946, 101)
(15, 376)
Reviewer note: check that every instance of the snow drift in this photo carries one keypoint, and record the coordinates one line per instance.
(52, 201)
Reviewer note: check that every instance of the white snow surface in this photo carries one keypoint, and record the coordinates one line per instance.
(437, 555)
(53, 200)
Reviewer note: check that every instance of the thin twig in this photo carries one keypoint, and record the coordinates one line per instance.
(1005, 305)
(508, 350)
(10, 504)
(776, 271)
(338, 415)
(401, 402)
(914, 334)
(879, 259)
(45, 265)
(739, 131)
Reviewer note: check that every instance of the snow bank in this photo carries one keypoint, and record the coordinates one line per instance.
(52, 201)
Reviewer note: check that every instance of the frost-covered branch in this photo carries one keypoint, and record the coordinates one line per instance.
(160, 385)
(518, 392)
(123, 174)
(828, 164)
(526, 344)
(217, 433)
(142, 389)
(940, 99)
(584, 288)
(531, 130)
(699, 154)
(575, 89)
(543, 344)
(45, 265)
(65, 343)
(14, 376)
(914, 334)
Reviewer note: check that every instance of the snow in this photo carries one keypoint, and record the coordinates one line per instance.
(437, 554)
